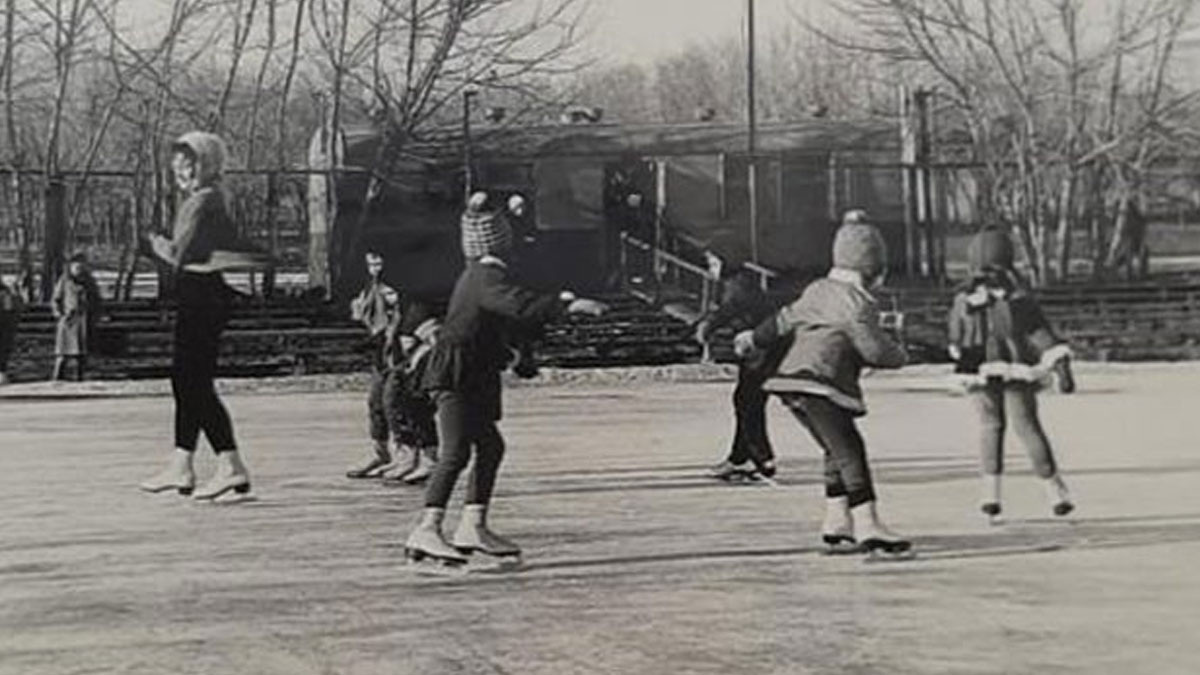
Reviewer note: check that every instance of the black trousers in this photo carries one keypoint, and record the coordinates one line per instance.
(466, 425)
(750, 441)
(847, 473)
(202, 315)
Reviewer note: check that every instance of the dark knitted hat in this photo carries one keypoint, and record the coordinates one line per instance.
(483, 232)
(859, 246)
(991, 249)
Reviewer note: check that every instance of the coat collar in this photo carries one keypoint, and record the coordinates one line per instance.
(852, 277)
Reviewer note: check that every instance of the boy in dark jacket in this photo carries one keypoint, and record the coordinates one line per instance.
(833, 330)
(743, 306)
(1004, 350)
(463, 376)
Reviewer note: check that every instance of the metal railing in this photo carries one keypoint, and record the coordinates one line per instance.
(643, 263)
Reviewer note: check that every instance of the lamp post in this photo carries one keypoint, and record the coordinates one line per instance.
(752, 170)
(467, 95)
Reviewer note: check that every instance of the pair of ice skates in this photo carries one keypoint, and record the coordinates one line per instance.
(1056, 492)
(859, 529)
(231, 477)
(409, 467)
(745, 472)
(473, 545)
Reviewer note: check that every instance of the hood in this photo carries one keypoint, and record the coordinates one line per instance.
(210, 154)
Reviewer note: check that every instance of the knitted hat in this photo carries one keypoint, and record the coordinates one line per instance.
(991, 249)
(859, 246)
(484, 233)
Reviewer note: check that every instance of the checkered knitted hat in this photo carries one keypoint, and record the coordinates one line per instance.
(859, 246)
(484, 233)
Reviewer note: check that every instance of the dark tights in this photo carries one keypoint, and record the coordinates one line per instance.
(203, 312)
(465, 425)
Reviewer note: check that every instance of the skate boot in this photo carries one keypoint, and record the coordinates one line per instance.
(427, 549)
(765, 467)
(373, 466)
(178, 476)
(406, 462)
(732, 473)
(1060, 498)
(837, 532)
(989, 501)
(231, 476)
(875, 538)
(474, 538)
(425, 466)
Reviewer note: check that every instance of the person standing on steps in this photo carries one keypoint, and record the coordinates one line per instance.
(463, 376)
(203, 227)
(1004, 348)
(832, 331)
(743, 307)
(76, 304)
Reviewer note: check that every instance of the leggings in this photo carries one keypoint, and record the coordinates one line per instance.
(465, 425)
(847, 473)
(750, 439)
(1001, 403)
(203, 312)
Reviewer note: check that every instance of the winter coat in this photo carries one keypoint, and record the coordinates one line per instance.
(1000, 331)
(743, 307)
(834, 331)
(470, 351)
(76, 304)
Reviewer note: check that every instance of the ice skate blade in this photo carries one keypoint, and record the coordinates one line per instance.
(886, 546)
(424, 563)
(486, 563)
(881, 556)
(242, 489)
(840, 544)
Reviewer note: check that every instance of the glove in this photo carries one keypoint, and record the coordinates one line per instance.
(743, 343)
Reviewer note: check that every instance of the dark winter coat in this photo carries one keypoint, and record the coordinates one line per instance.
(471, 352)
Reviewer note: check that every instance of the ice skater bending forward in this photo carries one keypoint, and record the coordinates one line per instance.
(463, 376)
(834, 331)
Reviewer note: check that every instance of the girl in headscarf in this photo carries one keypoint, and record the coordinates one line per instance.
(203, 228)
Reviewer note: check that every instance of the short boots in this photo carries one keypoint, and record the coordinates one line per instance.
(989, 500)
(178, 475)
(838, 528)
(231, 475)
(1060, 498)
(375, 464)
(426, 540)
(425, 466)
(473, 535)
(872, 534)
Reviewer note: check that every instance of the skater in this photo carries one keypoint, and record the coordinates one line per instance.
(10, 315)
(832, 331)
(203, 227)
(415, 432)
(743, 307)
(463, 376)
(76, 304)
(1004, 349)
(377, 307)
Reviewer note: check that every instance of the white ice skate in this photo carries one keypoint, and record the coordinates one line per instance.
(837, 532)
(1060, 497)
(426, 549)
(231, 477)
(879, 542)
(486, 548)
(178, 476)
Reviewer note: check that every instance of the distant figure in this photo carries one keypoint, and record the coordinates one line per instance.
(203, 229)
(76, 304)
(10, 315)
(1004, 348)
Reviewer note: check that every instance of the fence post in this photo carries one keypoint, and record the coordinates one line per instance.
(55, 234)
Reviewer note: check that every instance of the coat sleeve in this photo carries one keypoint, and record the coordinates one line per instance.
(875, 345)
(956, 321)
(501, 296)
(56, 301)
(778, 325)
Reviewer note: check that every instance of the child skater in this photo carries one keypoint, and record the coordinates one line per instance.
(463, 376)
(76, 303)
(1004, 348)
(416, 434)
(834, 330)
(377, 307)
(743, 306)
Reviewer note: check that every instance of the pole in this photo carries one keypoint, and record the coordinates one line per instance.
(752, 170)
(466, 125)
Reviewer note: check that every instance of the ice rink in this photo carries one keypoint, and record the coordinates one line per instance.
(636, 563)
